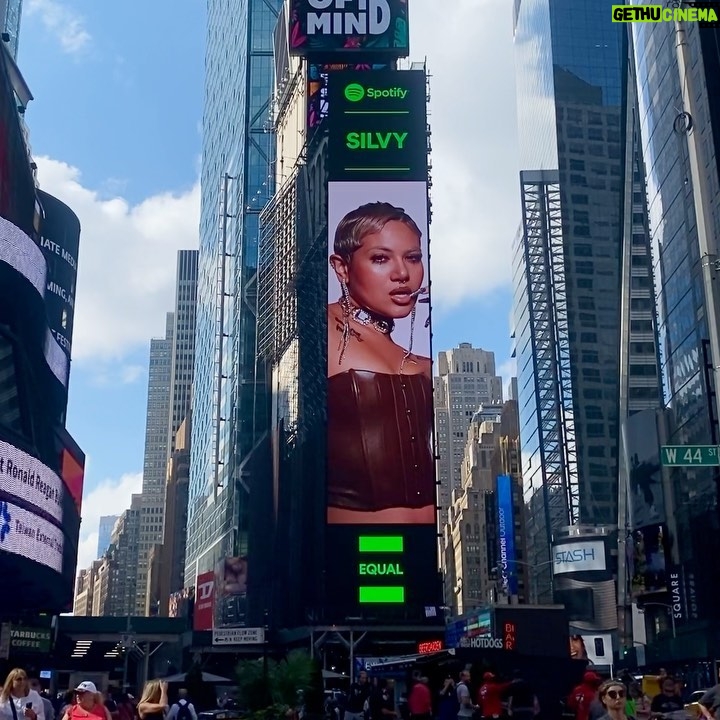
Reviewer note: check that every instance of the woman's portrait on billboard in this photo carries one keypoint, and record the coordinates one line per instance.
(380, 461)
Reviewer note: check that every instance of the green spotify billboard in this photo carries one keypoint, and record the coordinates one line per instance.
(378, 126)
(381, 493)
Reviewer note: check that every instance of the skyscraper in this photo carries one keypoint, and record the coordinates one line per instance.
(678, 86)
(236, 182)
(107, 523)
(470, 545)
(466, 380)
(169, 393)
(572, 279)
(157, 437)
(10, 13)
(182, 358)
(120, 597)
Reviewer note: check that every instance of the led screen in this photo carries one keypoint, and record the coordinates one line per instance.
(381, 492)
(336, 28)
(59, 241)
(25, 534)
(506, 535)
(380, 458)
(25, 480)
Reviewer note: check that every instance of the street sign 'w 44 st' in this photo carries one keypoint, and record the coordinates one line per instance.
(689, 455)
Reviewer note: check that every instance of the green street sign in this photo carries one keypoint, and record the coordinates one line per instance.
(689, 455)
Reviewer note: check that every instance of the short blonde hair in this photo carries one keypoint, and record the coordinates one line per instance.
(367, 220)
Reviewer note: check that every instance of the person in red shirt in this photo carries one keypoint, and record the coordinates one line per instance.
(420, 700)
(583, 695)
(490, 696)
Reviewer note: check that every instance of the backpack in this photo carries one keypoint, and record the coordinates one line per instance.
(183, 712)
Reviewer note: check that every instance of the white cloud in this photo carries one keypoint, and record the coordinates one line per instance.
(127, 261)
(110, 497)
(476, 202)
(67, 25)
(106, 374)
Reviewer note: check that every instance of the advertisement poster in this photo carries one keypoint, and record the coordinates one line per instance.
(585, 556)
(346, 27)
(204, 601)
(60, 242)
(380, 412)
(641, 441)
(596, 649)
(649, 553)
(231, 592)
(506, 535)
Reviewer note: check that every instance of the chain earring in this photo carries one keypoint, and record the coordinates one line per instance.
(345, 305)
(408, 352)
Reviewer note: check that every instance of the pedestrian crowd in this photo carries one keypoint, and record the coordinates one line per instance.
(22, 698)
(594, 698)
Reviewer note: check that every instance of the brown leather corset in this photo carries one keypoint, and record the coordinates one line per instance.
(380, 441)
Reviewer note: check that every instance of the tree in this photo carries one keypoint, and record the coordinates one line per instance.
(287, 680)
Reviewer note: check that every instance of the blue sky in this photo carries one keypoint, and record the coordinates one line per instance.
(115, 128)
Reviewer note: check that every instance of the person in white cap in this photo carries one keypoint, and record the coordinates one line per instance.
(88, 705)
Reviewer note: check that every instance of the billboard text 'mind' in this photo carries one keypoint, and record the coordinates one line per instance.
(336, 28)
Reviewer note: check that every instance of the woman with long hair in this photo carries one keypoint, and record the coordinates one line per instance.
(153, 702)
(88, 704)
(18, 701)
(380, 462)
(613, 695)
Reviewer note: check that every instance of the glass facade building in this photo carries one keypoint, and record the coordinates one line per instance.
(689, 392)
(237, 181)
(10, 13)
(577, 150)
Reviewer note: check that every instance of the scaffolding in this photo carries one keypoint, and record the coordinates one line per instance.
(277, 267)
(548, 317)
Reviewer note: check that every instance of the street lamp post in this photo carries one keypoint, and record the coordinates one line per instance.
(529, 565)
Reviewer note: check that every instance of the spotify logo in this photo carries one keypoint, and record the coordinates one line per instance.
(354, 92)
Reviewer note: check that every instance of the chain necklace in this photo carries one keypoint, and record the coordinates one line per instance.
(365, 318)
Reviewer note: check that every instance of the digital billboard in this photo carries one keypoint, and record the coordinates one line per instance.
(595, 649)
(73, 475)
(26, 481)
(378, 125)
(28, 535)
(641, 444)
(506, 535)
(204, 601)
(337, 28)
(380, 458)
(231, 592)
(381, 492)
(37, 516)
(60, 242)
(584, 556)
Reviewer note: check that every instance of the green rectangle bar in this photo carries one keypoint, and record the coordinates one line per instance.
(689, 455)
(382, 594)
(381, 543)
